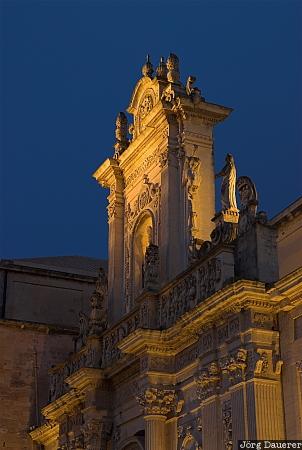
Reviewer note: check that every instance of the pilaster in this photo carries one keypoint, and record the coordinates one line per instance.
(109, 175)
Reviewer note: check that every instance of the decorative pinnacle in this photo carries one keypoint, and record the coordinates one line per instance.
(161, 71)
(147, 69)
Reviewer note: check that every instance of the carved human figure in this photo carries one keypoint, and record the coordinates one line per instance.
(228, 186)
(121, 131)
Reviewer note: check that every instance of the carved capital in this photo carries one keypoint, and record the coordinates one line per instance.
(157, 401)
(262, 363)
(234, 367)
(208, 381)
(299, 366)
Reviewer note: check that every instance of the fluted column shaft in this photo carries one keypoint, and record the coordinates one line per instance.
(155, 432)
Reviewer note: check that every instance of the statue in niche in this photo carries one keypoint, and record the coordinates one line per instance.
(228, 186)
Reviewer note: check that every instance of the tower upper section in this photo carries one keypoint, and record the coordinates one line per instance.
(161, 181)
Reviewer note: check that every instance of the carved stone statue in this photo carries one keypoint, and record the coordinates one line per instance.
(98, 315)
(228, 186)
(173, 75)
(247, 192)
(151, 266)
(121, 132)
(193, 92)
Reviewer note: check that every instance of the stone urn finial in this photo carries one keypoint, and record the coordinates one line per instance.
(161, 71)
(147, 69)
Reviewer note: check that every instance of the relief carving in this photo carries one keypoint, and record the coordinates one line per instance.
(145, 106)
(227, 425)
(180, 299)
(209, 277)
(263, 363)
(149, 194)
(234, 367)
(96, 433)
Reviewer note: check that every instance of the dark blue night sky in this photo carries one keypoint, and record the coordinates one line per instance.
(68, 67)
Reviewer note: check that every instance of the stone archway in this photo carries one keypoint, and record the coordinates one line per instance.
(132, 446)
(133, 443)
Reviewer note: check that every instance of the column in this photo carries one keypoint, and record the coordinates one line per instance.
(155, 432)
(157, 403)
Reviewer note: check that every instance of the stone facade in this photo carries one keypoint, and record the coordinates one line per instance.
(40, 299)
(194, 341)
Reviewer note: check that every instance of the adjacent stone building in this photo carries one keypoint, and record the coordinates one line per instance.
(194, 340)
(40, 300)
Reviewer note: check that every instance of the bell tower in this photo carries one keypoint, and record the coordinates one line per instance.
(161, 181)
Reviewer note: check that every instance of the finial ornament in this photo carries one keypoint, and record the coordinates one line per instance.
(161, 71)
(173, 69)
(121, 131)
(147, 69)
(228, 186)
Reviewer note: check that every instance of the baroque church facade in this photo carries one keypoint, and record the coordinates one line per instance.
(193, 340)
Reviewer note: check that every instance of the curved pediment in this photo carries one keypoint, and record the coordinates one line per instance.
(143, 86)
(145, 96)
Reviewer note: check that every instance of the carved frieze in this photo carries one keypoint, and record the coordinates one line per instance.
(156, 363)
(262, 320)
(89, 356)
(178, 300)
(209, 277)
(111, 352)
(186, 357)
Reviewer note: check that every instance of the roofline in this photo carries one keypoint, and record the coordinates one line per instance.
(287, 212)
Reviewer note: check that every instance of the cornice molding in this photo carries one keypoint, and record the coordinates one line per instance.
(64, 404)
(46, 433)
(86, 379)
